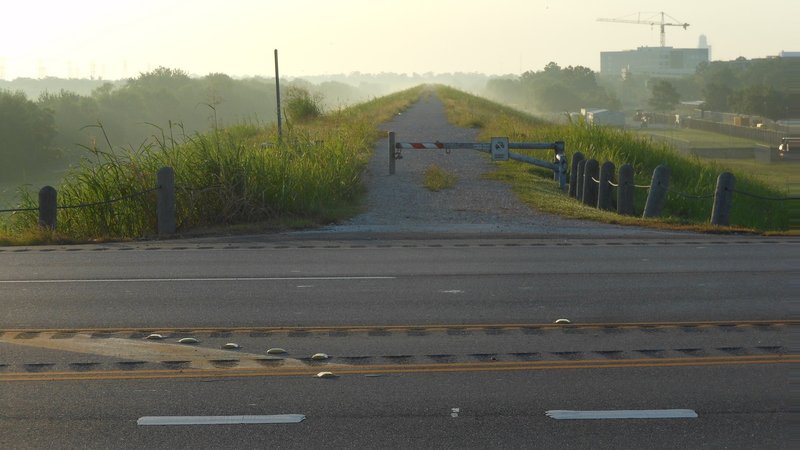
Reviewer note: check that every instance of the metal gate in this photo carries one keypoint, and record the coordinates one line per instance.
(499, 147)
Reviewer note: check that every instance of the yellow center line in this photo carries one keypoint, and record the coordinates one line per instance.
(417, 327)
(396, 368)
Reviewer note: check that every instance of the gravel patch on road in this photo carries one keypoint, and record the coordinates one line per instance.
(400, 204)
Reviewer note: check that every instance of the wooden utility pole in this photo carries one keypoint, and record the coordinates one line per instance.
(278, 95)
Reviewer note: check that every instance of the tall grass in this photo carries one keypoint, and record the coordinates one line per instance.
(240, 174)
(689, 175)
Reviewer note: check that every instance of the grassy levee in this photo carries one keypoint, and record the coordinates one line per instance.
(690, 176)
(237, 175)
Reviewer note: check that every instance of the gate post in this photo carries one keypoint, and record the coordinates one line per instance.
(48, 210)
(625, 191)
(604, 200)
(657, 195)
(561, 159)
(165, 201)
(723, 199)
(590, 172)
(391, 153)
(577, 157)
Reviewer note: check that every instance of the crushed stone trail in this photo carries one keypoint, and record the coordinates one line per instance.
(400, 203)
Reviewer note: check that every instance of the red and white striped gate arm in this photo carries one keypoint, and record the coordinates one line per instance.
(420, 145)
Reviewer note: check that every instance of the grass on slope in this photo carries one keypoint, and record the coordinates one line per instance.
(690, 176)
(225, 177)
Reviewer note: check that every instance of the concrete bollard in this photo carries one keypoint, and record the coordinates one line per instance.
(604, 199)
(657, 196)
(166, 201)
(723, 199)
(48, 209)
(391, 153)
(590, 173)
(625, 191)
(577, 157)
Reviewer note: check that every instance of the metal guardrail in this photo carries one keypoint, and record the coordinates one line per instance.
(499, 148)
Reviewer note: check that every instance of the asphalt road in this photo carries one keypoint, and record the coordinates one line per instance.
(385, 282)
(436, 343)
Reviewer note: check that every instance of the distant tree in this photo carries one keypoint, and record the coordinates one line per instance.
(26, 131)
(716, 97)
(161, 78)
(765, 87)
(664, 96)
(759, 100)
(72, 113)
(558, 89)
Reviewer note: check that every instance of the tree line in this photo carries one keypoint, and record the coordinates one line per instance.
(48, 133)
(762, 87)
(553, 89)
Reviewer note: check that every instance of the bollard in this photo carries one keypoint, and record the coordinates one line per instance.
(573, 174)
(166, 201)
(604, 199)
(590, 173)
(47, 207)
(625, 191)
(391, 153)
(657, 195)
(723, 199)
(579, 183)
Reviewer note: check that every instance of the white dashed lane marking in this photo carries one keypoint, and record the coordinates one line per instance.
(219, 420)
(560, 414)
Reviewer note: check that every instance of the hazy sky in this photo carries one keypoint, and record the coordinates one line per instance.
(121, 38)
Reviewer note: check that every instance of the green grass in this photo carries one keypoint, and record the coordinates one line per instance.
(227, 180)
(223, 178)
(436, 179)
(689, 175)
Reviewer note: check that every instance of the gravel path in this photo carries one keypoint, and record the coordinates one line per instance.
(400, 204)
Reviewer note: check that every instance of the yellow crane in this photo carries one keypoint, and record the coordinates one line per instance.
(652, 19)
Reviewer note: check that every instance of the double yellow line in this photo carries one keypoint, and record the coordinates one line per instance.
(380, 369)
(409, 327)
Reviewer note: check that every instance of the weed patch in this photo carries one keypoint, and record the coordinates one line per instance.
(436, 179)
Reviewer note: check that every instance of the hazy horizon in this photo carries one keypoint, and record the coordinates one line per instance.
(94, 39)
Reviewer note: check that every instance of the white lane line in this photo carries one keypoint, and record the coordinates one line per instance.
(172, 280)
(219, 420)
(560, 414)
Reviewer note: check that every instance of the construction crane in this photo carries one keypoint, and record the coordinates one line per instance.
(651, 20)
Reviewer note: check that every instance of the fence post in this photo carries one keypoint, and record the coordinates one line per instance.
(166, 201)
(47, 207)
(391, 153)
(657, 195)
(723, 199)
(604, 199)
(579, 183)
(625, 191)
(590, 171)
(577, 157)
